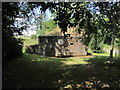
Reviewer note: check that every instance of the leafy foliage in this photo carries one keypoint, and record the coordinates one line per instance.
(11, 46)
(47, 26)
(96, 45)
(110, 10)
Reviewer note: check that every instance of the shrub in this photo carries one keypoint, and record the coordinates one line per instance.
(95, 45)
(11, 47)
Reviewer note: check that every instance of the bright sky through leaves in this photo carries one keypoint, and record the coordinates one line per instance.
(32, 29)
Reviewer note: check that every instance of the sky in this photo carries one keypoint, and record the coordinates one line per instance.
(32, 29)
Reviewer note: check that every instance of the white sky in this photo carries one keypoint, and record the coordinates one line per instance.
(32, 28)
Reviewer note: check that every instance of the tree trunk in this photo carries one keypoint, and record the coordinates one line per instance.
(119, 47)
(112, 45)
(111, 52)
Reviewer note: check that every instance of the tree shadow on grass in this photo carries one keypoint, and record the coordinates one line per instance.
(104, 60)
(33, 71)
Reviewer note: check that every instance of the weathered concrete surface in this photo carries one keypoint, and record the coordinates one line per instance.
(46, 45)
(60, 46)
(33, 49)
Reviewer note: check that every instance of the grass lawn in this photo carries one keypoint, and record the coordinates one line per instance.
(35, 71)
(101, 54)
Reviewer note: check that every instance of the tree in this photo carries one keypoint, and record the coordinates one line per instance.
(12, 46)
(112, 12)
(47, 26)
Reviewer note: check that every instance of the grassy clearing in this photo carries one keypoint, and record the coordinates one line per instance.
(35, 71)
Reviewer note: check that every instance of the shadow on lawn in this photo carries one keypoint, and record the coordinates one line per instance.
(104, 60)
(43, 72)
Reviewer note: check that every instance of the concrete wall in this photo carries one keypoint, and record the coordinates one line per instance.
(33, 49)
(46, 45)
(71, 46)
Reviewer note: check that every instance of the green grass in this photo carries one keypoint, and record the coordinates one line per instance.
(75, 60)
(29, 41)
(101, 54)
(35, 71)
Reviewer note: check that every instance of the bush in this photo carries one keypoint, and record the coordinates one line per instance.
(12, 47)
(95, 45)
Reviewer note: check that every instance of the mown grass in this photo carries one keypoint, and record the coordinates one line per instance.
(35, 71)
(29, 41)
(101, 54)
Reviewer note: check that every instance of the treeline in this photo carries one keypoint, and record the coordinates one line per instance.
(100, 22)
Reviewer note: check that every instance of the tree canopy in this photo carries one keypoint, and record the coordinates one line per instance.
(12, 46)
(100, 20)
(47, 26)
